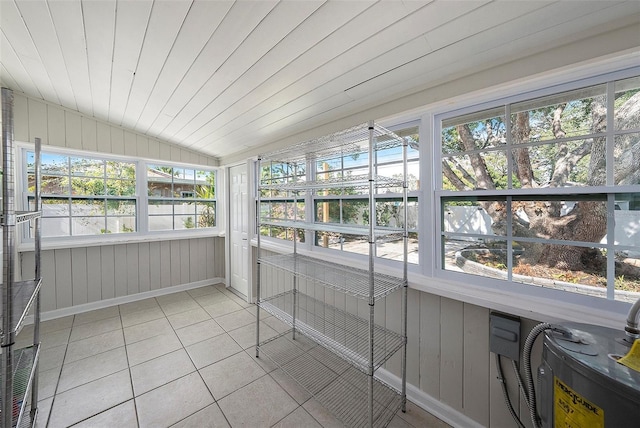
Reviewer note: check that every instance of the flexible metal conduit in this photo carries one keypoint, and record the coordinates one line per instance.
(631, 328)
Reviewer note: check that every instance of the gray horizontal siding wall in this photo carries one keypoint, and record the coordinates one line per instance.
(448, 355)
(76, 276)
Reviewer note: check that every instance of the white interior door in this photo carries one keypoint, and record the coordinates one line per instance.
(239, 228)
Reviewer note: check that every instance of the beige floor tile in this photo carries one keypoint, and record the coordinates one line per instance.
(146, 330)
(202, 291)
(198, 332)
(211, 298)
(298, 418)
(138, 305)
(268, 404)
(212, 350)
(171, 308)
(56, 324)
(229, 374)
(52, 358)
(321, 414)
(143, 315)
(49, 340)
(292, 387)
(161, 370)
(246, 336)
(94, 328)
(221, 308)
(92, 368)
(173, 297)
(94, 345)
(121, 416)
(398, 422)
(87, 400)
(192, 316)
(209, 417)
(153, 347)
(235, 320)
(173, 402)
(44, 408)
(97, 315)
(47, 382)
(275, 324)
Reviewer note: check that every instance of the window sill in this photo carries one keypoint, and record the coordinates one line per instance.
(94, 241)
(535, 303)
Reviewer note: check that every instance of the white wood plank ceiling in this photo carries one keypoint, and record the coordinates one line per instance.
(221, 76)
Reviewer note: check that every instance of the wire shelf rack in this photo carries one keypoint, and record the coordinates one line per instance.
(337, 386)
(25, 361)
(349, 280)
(349, 141)
(23, 216)
(340, 332)
(346, 229)
(357, 182)
(24, 294)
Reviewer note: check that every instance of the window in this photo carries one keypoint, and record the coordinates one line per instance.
(350, 205)
(180, 198)
(84, 195)
(277, 206)
(343, 205)
(546, 191)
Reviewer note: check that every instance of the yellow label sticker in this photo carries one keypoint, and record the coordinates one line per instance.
(571, 410)
(632, 359)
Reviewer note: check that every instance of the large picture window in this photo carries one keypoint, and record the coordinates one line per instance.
(546, 191)
(83, 195)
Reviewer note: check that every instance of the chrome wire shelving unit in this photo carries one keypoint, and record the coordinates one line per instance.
(19, 375)
(334, 348)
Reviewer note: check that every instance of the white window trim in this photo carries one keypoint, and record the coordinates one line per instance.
(532, 302)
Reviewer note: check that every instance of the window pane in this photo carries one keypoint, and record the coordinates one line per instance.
(206, 214)
(355, 211)
(478, 131)
(88, 226)
(486, 258)
(55, 207)
(160, 207)
(55, 227)
(477, 171)
(582, 220)
(184, 208)
(121, 224)
(390, 213)
(205, 185)
(184, 222)
(160, 181)
(51, 185)
(121, 187)
(121, 170)
(53, 164)
(570, 114)
(116, 207)
(468, 216)
(161, 222)
(627, 104)
(627, 159)
(87, 186)
(87, 167)
(88, 207)
(328, 211)
(564, 164)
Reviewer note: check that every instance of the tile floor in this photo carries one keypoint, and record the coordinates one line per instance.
(181, 360)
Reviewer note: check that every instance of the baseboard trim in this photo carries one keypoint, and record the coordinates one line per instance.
(85, 307)
(425, 401)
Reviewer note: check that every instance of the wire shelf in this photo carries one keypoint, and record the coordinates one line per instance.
(352, 182)
(349, 141)
(346, 279)
(346, 229)
(338, 387)
(342, 333)
(24, 294)
(24, 363)
(23, 216)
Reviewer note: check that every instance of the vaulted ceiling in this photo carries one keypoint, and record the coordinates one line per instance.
(221, 76)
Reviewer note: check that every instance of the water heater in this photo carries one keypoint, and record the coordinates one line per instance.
(581, 384)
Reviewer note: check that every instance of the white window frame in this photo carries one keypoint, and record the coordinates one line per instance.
(518, 298)
(142, 233)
